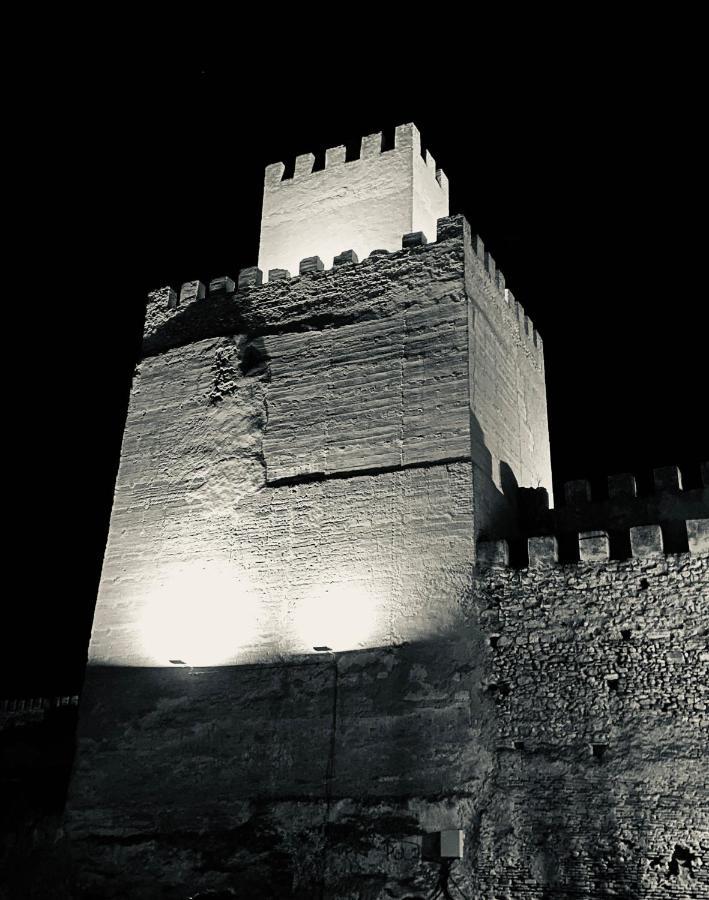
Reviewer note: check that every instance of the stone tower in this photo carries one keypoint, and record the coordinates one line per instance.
(288, 689)
(365, 204)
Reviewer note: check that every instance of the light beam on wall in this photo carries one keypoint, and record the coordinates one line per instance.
(340, 616)
(201, 613)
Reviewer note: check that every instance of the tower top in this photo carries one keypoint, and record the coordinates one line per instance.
(363, 204)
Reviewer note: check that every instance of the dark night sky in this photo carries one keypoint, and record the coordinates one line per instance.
(582, 169)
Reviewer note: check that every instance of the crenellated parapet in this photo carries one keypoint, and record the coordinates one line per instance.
(255, 300)
(623, 502)
(591, 547)
(406, 138)
(26, 710)
(484, 274)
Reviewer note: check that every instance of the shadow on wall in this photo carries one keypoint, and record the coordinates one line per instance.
(278, 779)
(587, 826)
(36, 757)
(495, 513)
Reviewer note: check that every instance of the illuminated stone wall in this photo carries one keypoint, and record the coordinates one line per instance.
(301, 452)
(279, 477)
(363, 204)
(297, 471)
(509, 426)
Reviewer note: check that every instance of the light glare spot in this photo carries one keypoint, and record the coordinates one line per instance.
(342, 616)
(202, 613)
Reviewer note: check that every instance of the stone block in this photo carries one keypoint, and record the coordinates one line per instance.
(698, 535)
(577, 493)
(310, 264)
(371, 145)
(646, 540)
(622, 486)
(543, 551)
(192, 290)
(250, 277)
(278, 274)
(667, 478)
(414, 239)
(490, 265)
(493, 554)
(347, 256)
(303, 165)
(594, 546)
(221, 285)
(335, 156)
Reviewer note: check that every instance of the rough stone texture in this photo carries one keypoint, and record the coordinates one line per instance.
(277, 778)
(612, 656)
(646, 540)
(593, 546)
(374, 394)
(361, 205)
(543, 551)
(667, 478)
(191, 291)
(305, 464)
(564, 730)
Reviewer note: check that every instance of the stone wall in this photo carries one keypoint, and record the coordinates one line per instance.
(290, 479)
(563, 728)
(37, 740)
(623, 502)
(274, 781)
(297, 472)
(599, 677)
(508, 408)
(300, 451)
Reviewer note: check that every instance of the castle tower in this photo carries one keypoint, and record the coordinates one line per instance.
(283, 638)
(361, 205)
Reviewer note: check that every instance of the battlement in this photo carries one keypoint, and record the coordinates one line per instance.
(624, 486)
(26, 710)
(626, 500)
(406, 137)
(493, 281)
(363, 204)
(30, 704)
(592, 546)
(246, 303)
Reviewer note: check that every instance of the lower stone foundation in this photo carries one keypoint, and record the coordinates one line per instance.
(564, 730)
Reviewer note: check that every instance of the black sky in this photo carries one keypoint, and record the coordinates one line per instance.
(578, 157)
